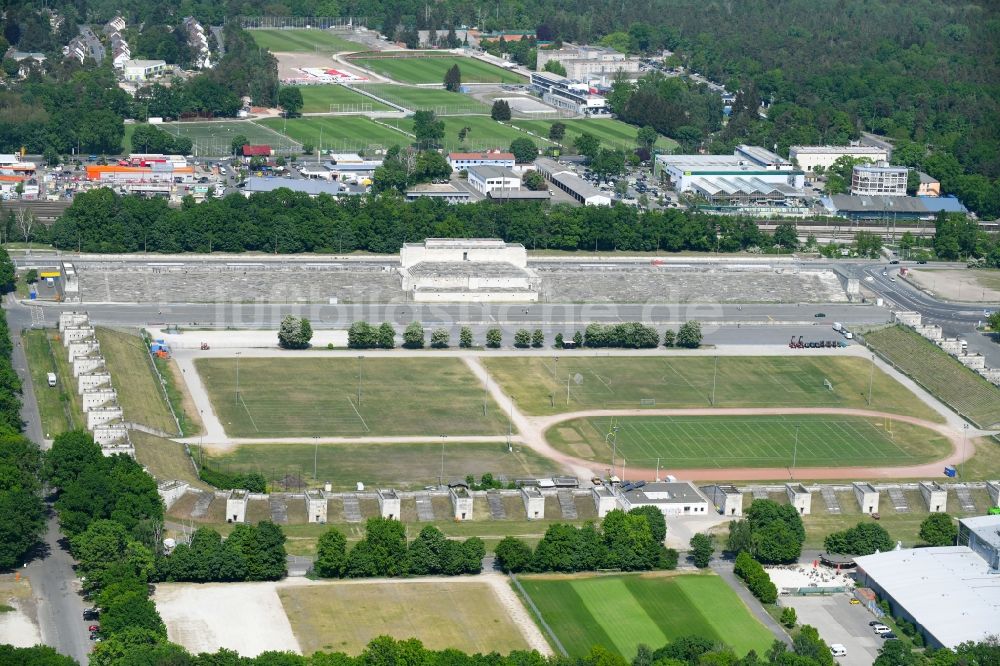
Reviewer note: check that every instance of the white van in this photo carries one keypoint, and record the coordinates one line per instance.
(881, 629)
(52, 379)
(838, 650)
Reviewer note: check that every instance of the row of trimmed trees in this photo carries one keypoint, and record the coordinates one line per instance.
(627, 335)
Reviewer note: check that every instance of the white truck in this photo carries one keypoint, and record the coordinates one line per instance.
(52, 379)
(837, 326)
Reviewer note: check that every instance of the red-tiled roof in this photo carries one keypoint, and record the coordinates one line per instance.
(481, 156)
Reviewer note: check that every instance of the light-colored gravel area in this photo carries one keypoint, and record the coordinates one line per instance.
(18, 629)
(246, 617)
(958, 285)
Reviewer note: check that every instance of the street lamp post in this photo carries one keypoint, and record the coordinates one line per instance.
(795, 451)
(715, 375)
(238, 377)
(315, 455)
(360, 358)
(965, 441)
(871, 379)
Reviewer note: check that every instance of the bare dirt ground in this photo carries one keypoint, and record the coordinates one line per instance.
(18, 627)
(213, 616)
(204, 618)
(958, 285)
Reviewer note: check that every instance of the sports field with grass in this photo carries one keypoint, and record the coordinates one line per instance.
(393, 465)
(623, 611)
(484, 132)
(750, 441)
(345, 616)
(612, 133)
(434, 99)
(540, 384)
(302, 39)
(961, 388)
(340, 133)
(414, 67)
(295, 397)
(334, 98)
(139, 392)
(215, 137)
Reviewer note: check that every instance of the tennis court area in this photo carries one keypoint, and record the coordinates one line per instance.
(749, 441)
(305, 397)
(423, 67)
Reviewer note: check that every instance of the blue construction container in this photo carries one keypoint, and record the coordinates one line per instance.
(950, 471)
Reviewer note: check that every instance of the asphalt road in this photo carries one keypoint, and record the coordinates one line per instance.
(957, 320)
(53, 581)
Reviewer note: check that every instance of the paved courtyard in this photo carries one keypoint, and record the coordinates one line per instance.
(250, 282)
(839, 622)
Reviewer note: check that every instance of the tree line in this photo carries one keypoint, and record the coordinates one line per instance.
(630, 541)
(249, 553)
(288, 222)
(384, 552)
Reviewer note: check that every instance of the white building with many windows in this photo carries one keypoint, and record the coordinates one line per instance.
(810, 157)
(879, 180)
(485, 179)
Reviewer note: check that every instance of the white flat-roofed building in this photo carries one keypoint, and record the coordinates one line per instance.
(589, 62)
(672, 498)
(982, 535)
(950, 593)
(810, 157)
(879, 180)
(446, 191)
(728, 499)
(141, 70)
(485, 179)
(867, 497)
(564, 93)
(748, 167)
(460, 161)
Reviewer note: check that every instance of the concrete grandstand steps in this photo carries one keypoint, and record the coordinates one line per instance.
(201, 504)
(497, 511)
(278, 504)
(425, 510)
(965, 498)
(830, 499)
(567, 504)
(898, 500)
(760, 493)
(352, 509)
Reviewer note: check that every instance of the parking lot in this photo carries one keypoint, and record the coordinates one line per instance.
(839, 622)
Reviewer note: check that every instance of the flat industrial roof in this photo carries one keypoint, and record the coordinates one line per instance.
(987, 528)
(484, 171)
(836, 150)
(948, 590)
(260, 184)
(665, 492)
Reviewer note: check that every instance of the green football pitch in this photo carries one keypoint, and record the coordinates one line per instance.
(338, 133)
(334, 98)
(482, 133)
(621, 612)
(749, 441)
(215, 137)
(305, 397)
(612, 133)
(302, 39)
(437, 100)
(543, 385)
(430, 68)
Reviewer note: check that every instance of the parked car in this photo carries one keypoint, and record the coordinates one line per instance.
(838, 650)
(881, 629)
(889, 636)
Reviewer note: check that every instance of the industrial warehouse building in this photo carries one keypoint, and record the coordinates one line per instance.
(564, 93)
(950, 593)
(570, 183)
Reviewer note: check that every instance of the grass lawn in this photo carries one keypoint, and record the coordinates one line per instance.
(402, 466)
(437, 99)
(298, 397)
(340, 133)
(302, 39)
(345, 616)
(320, 99)
(215, 137)
(961, 388)
(52, 401)
(622, 611)
(165, 459)
(484, 132)
(67, 382)
(539, 384)
(612, 133)
(416, 68)
(139, 390)
(750, 441)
